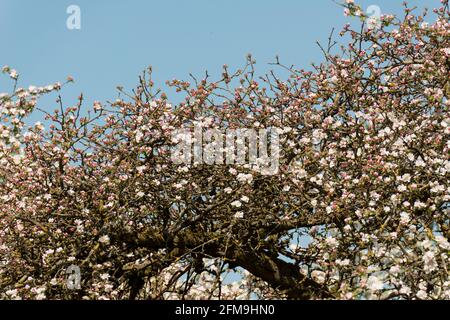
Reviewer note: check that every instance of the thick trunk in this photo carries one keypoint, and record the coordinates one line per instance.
(281, 275)
(277, 273)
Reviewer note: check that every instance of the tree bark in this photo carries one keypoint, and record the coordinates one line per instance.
(278, 273)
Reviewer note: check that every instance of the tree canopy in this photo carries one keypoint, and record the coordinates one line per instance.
(358, 208)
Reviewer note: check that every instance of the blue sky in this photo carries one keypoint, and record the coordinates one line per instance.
(118, 39)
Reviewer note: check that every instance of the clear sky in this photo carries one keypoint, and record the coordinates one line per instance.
(119, 38)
